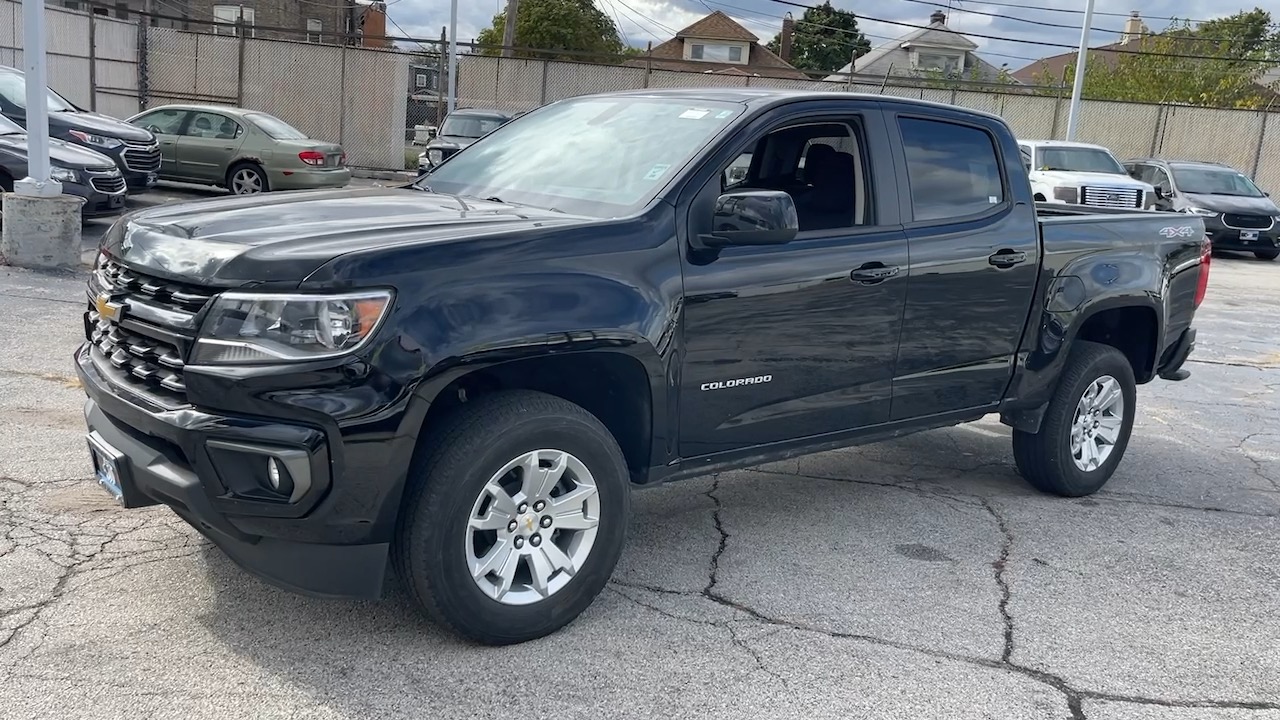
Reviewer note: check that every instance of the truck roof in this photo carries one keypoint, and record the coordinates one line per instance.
(1062, 143)
(767, 97)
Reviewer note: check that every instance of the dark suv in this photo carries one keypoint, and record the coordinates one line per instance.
(133, 149)
(1237, 215)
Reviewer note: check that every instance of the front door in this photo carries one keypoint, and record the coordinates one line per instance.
(788, 341)
(166, 124)
(975, 260)
(208, 145)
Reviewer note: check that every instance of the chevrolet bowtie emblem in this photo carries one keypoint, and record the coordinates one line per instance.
(108, 309)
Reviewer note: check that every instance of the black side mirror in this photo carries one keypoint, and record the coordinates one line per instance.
(1161, 193)
(753, 217)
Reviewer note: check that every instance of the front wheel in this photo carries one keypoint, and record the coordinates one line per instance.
(515, 518)
(1271, 254)
(1086, 427)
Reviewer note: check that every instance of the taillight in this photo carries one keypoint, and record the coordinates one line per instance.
(1202, 285)
(342, 159)
(312, 157)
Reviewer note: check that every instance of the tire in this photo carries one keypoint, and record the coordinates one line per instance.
(243, 178)
(435, 547)
(1046, 458)
(1267, 254)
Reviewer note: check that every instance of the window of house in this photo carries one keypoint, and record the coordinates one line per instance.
(314, 26)
(953, 170)
(71, 4)
(100, 11)
(940, 62)
(420, 80)
(716, 53)
(227, 17)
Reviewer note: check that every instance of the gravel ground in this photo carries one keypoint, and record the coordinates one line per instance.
(919, 578)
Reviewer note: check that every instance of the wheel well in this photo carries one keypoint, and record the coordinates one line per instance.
(611, 386)
(1131, 330)
(6, 181)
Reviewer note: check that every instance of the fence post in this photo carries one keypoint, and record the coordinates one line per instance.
(342, 93)
(93, 63)
(1262, 138)
(648, 64)
(144, 78)
(240, 31)
(542, 98)
(1155, 132)
(441, 79)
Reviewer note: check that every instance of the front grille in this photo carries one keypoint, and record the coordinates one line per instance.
(144, 349)
(1112, 197)
(142, 157)
(1247, 222)
(109, 184)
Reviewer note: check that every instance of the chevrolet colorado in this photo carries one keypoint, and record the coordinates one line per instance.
(465, 377)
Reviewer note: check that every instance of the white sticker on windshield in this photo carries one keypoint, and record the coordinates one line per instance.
(693, 114)
(656, 172)
(723, 114)
(993, 199)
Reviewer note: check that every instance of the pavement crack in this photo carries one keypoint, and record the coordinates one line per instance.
(999, 567)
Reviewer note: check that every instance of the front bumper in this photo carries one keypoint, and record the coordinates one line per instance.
(1228, 238)
(308, 179)
(172, 458)
(96, 204)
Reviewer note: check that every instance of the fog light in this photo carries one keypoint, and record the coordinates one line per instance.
(273, 474)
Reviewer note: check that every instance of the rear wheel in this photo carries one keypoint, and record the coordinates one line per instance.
(515, 518)
(1086, 427)
(1271, 254)
(247, 179)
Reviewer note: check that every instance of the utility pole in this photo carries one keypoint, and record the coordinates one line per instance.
(453, 55)
(1073, 115)
(37, 183)
(509, 32)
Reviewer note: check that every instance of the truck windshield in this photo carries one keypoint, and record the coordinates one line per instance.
(1079, 160)
(470, 126)
(598, 157)
(1206, 181)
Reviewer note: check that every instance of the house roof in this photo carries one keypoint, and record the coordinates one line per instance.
(718, 26)
(936, 35)
(1051, 69)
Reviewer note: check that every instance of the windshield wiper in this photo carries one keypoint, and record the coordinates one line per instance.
(427, 188)
(497, 199)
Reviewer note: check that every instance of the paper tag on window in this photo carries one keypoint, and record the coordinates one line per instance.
(723, 114)
(693, 114)
(656, 172)
(993, 200)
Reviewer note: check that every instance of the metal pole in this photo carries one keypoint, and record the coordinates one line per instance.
(453, 55)
(37, 183)
(1073, 115)
(509, 31)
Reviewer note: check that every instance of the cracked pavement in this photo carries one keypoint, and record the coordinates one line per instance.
(917, 578)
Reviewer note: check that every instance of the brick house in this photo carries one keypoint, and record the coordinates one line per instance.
(718, 44)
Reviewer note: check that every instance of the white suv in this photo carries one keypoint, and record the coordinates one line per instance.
(1082, 174)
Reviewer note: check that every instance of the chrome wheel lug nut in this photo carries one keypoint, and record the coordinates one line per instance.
(511, 526)
(538, 506)
(536, 540)
(519, 543)
(546, 521)
(524, 508)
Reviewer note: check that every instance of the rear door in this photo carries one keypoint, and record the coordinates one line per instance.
(208, 144)
(166, 124)
(972, 234)
(786, 341)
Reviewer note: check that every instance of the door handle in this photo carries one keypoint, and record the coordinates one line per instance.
(1007, 258)
(874, 272)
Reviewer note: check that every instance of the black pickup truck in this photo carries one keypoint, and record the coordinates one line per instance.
(464, 378)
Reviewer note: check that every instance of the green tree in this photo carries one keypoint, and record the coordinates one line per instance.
(825, 39)
(1218, 63)
(556, 29)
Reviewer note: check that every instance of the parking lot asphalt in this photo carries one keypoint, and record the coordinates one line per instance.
(917, 578)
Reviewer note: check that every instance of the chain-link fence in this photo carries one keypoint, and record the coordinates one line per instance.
(378, 102)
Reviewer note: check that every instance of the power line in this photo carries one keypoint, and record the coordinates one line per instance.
(1120, 51)
(645, 17)
(1116, 14)
(642, 28)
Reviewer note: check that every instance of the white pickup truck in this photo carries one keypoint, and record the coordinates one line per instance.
(1081, 174)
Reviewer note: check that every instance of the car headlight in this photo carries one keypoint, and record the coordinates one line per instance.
(435, 156)
(1200, 211)
(101, 141)
(258, 328)
(65, 175)
(1067, 194)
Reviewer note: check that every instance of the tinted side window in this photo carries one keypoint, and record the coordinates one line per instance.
(163, 122)
(953, 169)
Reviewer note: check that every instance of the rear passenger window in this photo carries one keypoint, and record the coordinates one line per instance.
(953, 169)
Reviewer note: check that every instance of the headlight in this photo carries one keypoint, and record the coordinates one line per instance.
(96, 140)
(435, 156)
(1200, 211)
(65, 175)
(1067, 194)
(257, 328)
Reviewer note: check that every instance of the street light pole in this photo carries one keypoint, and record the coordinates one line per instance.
(1077, 88)
(453, 55)
(37, 183)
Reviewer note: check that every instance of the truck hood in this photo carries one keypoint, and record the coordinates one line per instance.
(1066, 178)
(1233, 204)
(61, 154)
(284, 237)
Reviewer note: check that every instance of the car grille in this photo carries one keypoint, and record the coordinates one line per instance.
(142, 157)
(109, 184)
(1112, 197)
(143, 350)
(1247, 222)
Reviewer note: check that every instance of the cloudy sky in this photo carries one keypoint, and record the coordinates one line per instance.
(1040, 21)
